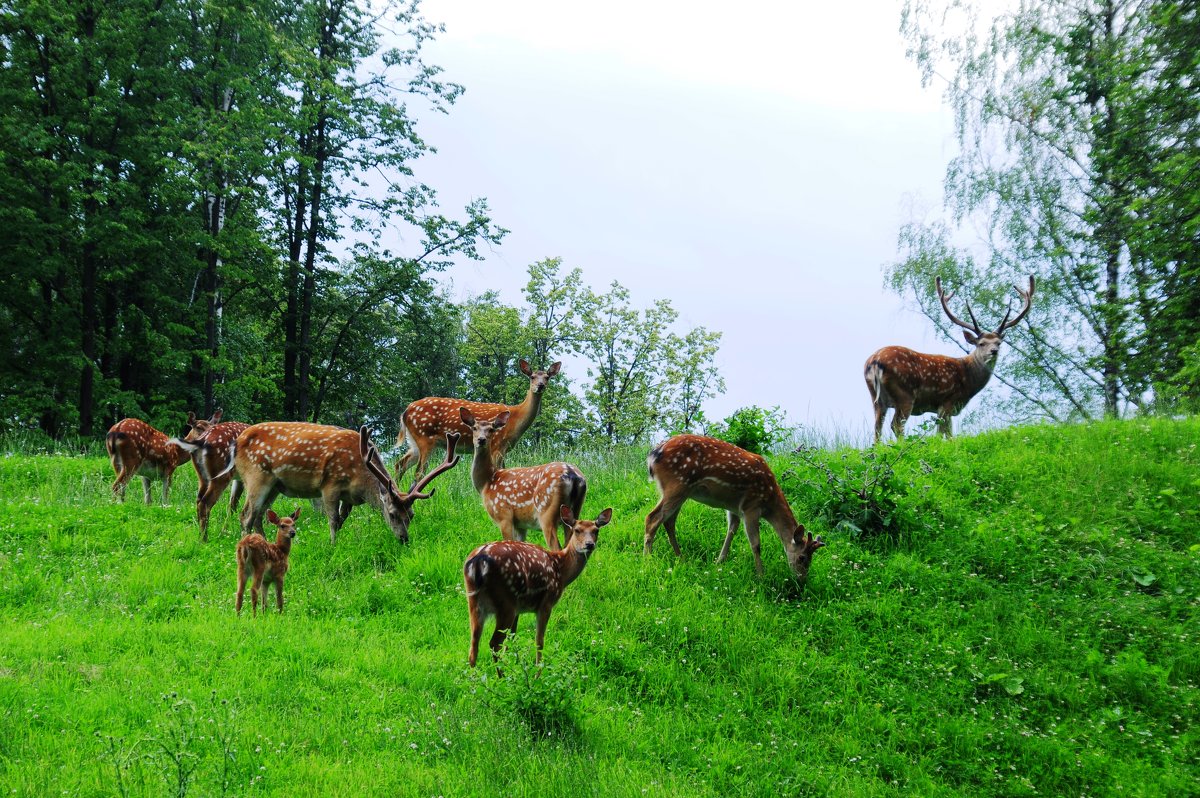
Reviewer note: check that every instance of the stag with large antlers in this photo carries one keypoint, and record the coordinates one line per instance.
(427, 421)
(916, 383)
(340, 467)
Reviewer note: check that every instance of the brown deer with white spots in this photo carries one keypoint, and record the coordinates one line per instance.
(916, 383)
(209, 443)
(340, 467)
(728, 477)
(137, 449)
(266, 563)
(507, 577)
(518, 499)
(426, 422)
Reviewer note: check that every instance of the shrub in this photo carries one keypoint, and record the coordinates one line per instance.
(753, 428)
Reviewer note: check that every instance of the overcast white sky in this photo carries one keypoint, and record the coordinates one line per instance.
(752, 162)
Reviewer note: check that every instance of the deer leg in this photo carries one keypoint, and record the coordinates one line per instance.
(543, 618)
(255, 586)
(506, 623)
(734, 520)
(755, 542)
(900, 418)
(255, 508)
(167, 477)
(243, 576)
(945, 418)
(278, 595)
(406, 460)
(118, 486)
(235, 493)
(476, 632)
(548, 521)
(669, 525)
(663, 514)
(880, 411)
(330, 503)
(508, 529)
(146, 489)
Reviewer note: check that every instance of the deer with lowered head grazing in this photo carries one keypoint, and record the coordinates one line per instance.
(518, 499)
(137, 449)
(340, 467)
(722, 475)
(209, 443)
(265, 562)
(916, 383)
(508, 577)
(426, 422)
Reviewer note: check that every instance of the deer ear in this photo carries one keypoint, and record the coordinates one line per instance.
(604, 517)
(296, 514)
(273, 517)
(364, 441)
(523, 365)
(554, 369)
(798, 535)
(191, 422)
(566, 515)
(216, 417)
(972, 339)
(467, 416)
(502, 419)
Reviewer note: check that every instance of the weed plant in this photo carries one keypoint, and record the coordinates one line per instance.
(1032, 632)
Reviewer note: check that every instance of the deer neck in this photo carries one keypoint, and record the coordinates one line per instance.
(782, 520)
(978, 370)
(524, 414)
(482, 467)
(570, 563)
(284, 544)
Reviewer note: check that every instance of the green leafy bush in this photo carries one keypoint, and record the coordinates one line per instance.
(753, 428)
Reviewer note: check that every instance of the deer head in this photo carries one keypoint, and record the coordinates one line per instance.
(397, 505)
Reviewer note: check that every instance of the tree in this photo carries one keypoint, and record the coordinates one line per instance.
(692, 377)
(1052, 107)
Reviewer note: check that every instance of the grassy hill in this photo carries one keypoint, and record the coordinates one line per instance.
(1028, 626)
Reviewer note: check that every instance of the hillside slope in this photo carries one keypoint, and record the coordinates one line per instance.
(1031, 630)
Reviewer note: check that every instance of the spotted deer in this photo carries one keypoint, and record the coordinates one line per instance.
(518, 499)
(209, 443)
(265, 562)
(340, 467)
(722, 475)
(506, 578)
(916, 383)
(426, 421)
(137, 449)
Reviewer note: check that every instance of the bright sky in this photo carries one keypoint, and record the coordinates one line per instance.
(751, 162)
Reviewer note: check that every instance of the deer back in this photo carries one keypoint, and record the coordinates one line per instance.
(143, 448)
(716, 473)
(528, 491)
(431, 418)
(303, 459)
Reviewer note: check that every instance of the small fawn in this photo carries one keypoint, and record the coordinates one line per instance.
(266, 562)
(507, 578)
(722, 475)
(518, 499)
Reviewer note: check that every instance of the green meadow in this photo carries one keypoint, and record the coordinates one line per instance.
(1025, 624)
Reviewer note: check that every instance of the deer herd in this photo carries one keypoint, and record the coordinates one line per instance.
(341, 468)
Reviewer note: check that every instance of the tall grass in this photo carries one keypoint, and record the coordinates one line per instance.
(1031, 631)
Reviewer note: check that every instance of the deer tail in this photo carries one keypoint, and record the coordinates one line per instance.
(654, 456)
(576, 491)
(874, 375)
(476, 571)
(232, 454)
(110, 443)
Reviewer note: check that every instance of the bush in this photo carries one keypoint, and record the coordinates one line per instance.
(753, 428)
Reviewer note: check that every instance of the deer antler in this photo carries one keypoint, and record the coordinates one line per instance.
(974, 326)
(1027, 296)
(450, 461)
(373, 462)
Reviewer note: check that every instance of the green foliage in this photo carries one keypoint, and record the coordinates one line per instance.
(755, 429)
(541, 698)
(859, 493)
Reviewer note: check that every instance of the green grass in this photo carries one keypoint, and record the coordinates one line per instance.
(1031, 631)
